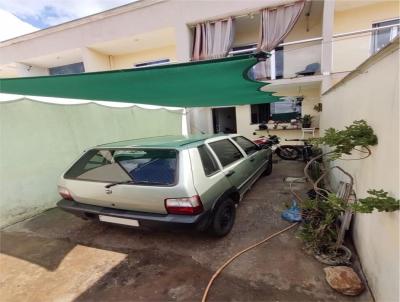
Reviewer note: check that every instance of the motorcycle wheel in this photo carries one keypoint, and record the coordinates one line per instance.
(288, 152)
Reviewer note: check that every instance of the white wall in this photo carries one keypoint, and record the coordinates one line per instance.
(200, 119)
(94, 61)
(38, 141)
(297, 57)
(348, 53)
(129, 60)
(243, 121)
(134, 19)
(25, 70)
(372, 94)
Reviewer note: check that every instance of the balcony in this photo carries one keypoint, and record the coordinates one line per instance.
(290, 60)
(299, 59)
(350, 49)
(299, 55)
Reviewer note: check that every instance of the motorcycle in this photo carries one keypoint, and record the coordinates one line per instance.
(286, 152)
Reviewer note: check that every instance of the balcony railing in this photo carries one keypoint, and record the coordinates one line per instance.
(303, 57)
(352, 48)
(288, 60)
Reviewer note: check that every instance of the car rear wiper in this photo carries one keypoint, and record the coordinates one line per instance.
(119, 183)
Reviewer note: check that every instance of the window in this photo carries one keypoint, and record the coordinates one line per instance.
(141, 166)
(260, 113)
(381, 37)
(248, 146)
(67, 69)
(152, 63)
(209, 164)
(226, 152)
(289, 108)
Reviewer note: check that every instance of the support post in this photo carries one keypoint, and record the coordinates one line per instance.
(327, 36)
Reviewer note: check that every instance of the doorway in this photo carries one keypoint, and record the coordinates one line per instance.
(224, 120)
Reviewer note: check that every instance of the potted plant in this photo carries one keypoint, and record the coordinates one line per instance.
(306, 121)
(321, 227)
(321, 224)
(318, 107)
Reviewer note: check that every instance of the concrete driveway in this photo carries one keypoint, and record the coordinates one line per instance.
(57, 257)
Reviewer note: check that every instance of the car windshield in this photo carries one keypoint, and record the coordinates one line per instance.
(140, 166)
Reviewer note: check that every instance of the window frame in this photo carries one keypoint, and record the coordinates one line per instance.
(156, 62)
(213, 158)
(246, 48)
(246, 139)
(222, 167)
(53, 71)
(375, 33)
(177, 170)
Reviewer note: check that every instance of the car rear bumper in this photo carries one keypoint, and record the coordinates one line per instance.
(148, 220)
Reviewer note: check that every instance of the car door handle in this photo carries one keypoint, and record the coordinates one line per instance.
(252, 159)
(230, 173)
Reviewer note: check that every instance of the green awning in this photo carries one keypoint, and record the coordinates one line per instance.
(219, 82)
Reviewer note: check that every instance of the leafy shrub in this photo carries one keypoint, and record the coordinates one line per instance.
(320, 216)
(379, 200)
(358, 134)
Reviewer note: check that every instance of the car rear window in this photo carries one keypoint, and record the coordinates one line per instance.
(141, 166)
(248, 146)
(226, 151)
(209, 164)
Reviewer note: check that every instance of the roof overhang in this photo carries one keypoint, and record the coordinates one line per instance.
(293, 86)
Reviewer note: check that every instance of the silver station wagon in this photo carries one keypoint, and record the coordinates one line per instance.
(194, 181)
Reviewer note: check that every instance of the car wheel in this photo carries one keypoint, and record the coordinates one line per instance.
(268, 169)
(224, 218)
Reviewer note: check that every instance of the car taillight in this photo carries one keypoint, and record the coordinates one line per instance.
(184, 206)
(65, 193)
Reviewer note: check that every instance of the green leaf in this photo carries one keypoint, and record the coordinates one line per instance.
(358, 134)
(378, 200)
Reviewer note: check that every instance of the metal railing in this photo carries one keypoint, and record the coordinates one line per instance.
(345, 34)
(306, 45)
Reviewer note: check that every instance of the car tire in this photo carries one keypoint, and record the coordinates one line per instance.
(223, 218)
(268, 169)
(288, 152)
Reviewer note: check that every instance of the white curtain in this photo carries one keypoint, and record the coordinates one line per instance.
(212, 40)
(276, 23)
(262, 70)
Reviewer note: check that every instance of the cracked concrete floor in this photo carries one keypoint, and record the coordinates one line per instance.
(58, 257)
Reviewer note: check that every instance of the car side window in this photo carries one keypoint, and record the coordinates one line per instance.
(226, 151)
(210, 166)
(248, 146)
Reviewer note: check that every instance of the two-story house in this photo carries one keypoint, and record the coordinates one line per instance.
(328, 41)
